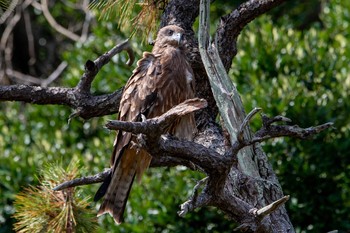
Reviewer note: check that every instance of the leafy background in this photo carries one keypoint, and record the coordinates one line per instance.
(293, 61)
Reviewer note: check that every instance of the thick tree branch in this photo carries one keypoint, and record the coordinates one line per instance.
(225, 93)
(79, 98)
(204, 158)
(157, 126)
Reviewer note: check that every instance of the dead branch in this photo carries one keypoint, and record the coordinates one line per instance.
(196, 200)
(232, 24)
(98, 178)
(85, 104)
(167, 150)
(268, 131)
(156, 126)
(93, 67)
(246, 121)
(59, 28)
(262, 212)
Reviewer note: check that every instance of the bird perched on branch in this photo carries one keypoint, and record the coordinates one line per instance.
(161, 80)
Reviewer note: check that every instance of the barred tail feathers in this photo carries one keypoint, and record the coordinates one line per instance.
(119, 188)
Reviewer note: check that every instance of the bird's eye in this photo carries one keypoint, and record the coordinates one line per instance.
(170, 32)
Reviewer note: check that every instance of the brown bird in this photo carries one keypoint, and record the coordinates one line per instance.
(161, 80)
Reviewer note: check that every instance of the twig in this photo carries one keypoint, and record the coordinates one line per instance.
(86, 24)
(261, 213)
(59, 28)
(55, 74)
(246, 121)
(98, 178)
(23, 78)
(192, 202)
(195, 201)
(93, 67)
(30, 37)
(267, 121)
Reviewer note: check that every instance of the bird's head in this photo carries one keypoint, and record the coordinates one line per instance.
(170, 35)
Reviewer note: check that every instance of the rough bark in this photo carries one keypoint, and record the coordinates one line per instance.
(241, 181)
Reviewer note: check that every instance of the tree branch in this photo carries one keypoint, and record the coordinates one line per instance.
(203, 158)
(261, 213)
(231, 25)
(93, 67)
(157, 126)
(85, 105)
(98, 178)
(196, 200)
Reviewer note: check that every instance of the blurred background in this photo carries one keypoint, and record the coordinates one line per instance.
(293, 61)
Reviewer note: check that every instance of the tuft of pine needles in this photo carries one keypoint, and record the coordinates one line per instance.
(4, 4)
(147, 16)
(40, 209)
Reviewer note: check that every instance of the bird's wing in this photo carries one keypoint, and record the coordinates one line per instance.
(138, 97)
(158, 83)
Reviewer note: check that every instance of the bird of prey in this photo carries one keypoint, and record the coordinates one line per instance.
(161, 80)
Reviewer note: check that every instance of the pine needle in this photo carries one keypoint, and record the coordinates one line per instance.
(134, 15)
(40, 209)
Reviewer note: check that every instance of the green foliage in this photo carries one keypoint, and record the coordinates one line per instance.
(144, 21)
(304, 76)
(40, 209)
(32, 136)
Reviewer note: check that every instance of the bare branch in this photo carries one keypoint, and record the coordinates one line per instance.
(232, 24)
(246, 121)
(79, 98)
(55, 74)
(93, 67)
(274, 131)
(267, 121)
(195, 201)
(202, 200)
(269, 131)
(156, 126)
(22, 78)
(261, 213)
(98, 178)
(59, 28)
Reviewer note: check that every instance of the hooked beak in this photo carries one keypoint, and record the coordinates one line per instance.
(177, 37)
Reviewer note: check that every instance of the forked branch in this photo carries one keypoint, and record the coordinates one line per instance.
(85, 104)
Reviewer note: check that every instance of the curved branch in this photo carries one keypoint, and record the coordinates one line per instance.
(93, 67)
(55, 25)
(232, 24)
